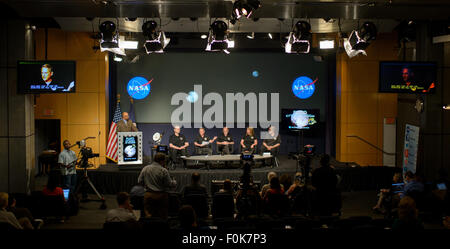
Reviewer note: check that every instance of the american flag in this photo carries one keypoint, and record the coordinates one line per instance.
(111, 149)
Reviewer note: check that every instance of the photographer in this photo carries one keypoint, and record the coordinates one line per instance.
(66, 160)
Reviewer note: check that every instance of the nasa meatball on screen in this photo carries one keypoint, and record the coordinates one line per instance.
(154, 80)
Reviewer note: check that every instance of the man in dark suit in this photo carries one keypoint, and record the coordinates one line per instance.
(125, 125)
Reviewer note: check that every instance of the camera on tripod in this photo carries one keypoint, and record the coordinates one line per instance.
(86, 153)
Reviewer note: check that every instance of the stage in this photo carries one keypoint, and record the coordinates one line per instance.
(109, 179)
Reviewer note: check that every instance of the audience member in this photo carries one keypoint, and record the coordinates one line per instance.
(266, 187)
(124, 212)
(389, 192)
(5, 216)
(412, 186)
(324, 179)
(407, 216)
(195, 187)
(275, 188)
(52, 188)
(285, 180)
(227, 187)
(296, 187)
(23, 215)
(187, 217)
(157, 183)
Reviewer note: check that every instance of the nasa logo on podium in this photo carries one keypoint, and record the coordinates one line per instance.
(303, 87)
(139, 87)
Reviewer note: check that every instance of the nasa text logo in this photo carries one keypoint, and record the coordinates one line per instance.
(303, 87)
(139, 87)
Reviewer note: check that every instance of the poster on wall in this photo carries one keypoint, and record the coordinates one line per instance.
(410, 148)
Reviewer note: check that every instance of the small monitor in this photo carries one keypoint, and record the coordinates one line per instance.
(66, 194)
(407, 77)
(36, 77)
(294, 119)
(441, 186)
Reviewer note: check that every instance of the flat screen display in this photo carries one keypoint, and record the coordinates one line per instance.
(46, 77)
(407, 77)
(293, 119)
(130, 149)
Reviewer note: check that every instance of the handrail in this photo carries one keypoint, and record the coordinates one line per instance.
(374, 146)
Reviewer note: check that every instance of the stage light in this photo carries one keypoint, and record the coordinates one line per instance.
(326, 44)
(156, 39)
(299, 40)
(117, 58)
(218, 37)
(242, 8)
(270, 35)
(127, 44)
(252, 36)
(360, 39)
(109, 35)
(203, 36)
(446, 107)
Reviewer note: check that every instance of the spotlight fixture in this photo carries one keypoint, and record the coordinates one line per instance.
(299, 40)
(110, 38)
(244, 8)
(326, 44)
(218, 37)
(360, 39)
(117, 58)
(156, 39)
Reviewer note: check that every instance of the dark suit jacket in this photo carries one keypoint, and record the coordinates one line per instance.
(122, 127)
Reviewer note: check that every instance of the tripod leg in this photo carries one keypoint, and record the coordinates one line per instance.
(102, 199)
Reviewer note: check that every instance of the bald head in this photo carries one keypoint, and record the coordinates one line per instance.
(125, 115)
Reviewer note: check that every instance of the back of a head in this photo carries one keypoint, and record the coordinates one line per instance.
(160, 158)
(227, 185)
(53, 180)
(270, 175)
(325, 160)
(275, 183)
(187, 217)
(122, 198)
(286, 180)
(3, 199)
(410, 175)
(195, 178)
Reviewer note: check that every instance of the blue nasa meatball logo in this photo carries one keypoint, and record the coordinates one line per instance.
(303, 87)
(139, 87)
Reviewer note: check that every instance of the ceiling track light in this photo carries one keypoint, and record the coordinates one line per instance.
(156, 40)
(218, 37)
(360, 39)
(299, 40)
(244, 8)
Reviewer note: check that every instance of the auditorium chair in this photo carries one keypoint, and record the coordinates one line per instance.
(200, 204)
(222, 205)
(174, 204)
(277, 205)
(5, 227)
(153, 224)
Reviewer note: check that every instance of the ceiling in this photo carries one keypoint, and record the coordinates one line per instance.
(196, 15)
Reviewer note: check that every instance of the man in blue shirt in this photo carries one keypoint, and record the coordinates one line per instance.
(412, 185)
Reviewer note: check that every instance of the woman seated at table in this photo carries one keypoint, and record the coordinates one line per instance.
(249, 141)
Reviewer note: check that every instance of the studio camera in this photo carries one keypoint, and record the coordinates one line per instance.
(86, 153)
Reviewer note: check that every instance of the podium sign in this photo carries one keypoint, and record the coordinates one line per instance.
(130, 147)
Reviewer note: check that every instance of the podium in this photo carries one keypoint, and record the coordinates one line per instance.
(129, 148)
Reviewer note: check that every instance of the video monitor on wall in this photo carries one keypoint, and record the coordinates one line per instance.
(46, 77)
(407, 77)
(296, 119)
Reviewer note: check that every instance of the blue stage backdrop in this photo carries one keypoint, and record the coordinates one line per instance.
(155, 78)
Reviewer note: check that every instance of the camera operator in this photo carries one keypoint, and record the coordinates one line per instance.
(248, 200)
(66, 160)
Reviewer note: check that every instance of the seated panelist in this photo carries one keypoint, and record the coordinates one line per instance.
(225, 142)
(249, 141)
(177, 144)
(203, 143)
(273, 143)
